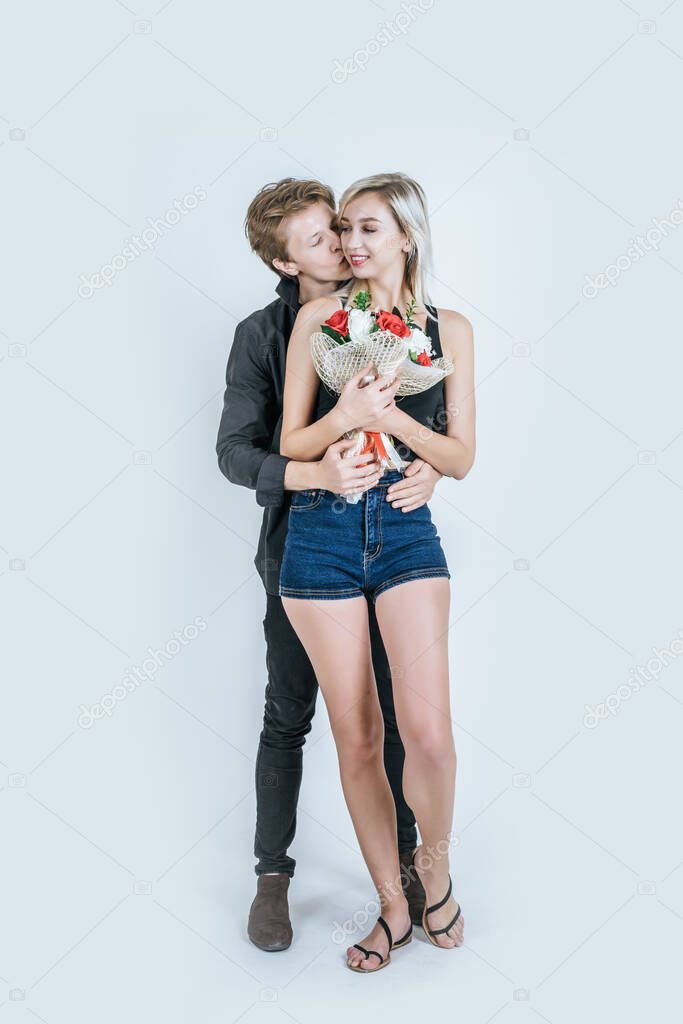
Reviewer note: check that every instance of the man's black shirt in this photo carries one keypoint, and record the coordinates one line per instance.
(248, 445)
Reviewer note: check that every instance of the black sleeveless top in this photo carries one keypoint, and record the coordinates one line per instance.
(427, 408)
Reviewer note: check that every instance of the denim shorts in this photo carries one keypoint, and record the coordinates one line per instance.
(335, 549)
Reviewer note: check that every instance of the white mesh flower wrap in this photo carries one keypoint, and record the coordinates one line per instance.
(337, 363)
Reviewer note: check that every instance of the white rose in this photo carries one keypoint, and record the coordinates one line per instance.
(419, 342)
(360, 323)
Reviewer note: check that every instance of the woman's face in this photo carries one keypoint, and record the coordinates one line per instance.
(371, 239)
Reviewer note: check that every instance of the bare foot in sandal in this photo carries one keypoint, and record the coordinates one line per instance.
(375, 947)
(443, 922)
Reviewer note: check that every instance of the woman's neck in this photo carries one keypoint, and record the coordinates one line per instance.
(385, 294)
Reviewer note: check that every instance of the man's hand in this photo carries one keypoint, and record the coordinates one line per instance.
(416, 489)
(346, 475)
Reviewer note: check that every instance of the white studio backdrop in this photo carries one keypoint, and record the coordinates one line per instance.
(547, 138)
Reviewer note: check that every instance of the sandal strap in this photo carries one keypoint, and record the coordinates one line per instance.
(436, 906)
(441, 931)
(368, 952)
(387, 930)
(404, 937)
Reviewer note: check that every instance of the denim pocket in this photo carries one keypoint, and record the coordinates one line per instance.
(309, 498)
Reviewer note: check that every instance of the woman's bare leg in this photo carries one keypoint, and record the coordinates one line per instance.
(413, 621)
(336, 637)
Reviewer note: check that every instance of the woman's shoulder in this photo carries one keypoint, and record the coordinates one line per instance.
(321, 308)
(455, 330)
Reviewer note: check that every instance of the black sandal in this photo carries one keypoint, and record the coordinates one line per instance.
(384, 961)
(429, 932)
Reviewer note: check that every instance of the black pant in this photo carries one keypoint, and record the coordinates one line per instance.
(291, 694)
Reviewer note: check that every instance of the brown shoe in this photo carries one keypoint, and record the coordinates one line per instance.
(412, 886)
(269, 926)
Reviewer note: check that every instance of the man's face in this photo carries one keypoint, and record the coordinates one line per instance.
(313, 245)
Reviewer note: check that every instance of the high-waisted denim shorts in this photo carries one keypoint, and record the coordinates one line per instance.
(335, 549)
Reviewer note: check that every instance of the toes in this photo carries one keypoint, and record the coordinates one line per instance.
(454, 935)
(355, 958)
(373, 963)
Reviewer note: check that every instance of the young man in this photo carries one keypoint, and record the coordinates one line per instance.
(290, 225)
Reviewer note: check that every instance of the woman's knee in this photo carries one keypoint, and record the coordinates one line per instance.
(360, 741)
(431, 743)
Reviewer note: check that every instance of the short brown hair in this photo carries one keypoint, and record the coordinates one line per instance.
(271, 206)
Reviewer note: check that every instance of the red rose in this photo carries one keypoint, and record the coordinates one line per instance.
(391, 322)
(424, 360)
(339, 322)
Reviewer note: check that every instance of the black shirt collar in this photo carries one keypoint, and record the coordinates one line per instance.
(288, 290)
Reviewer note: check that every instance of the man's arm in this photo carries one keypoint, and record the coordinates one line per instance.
(250, 415)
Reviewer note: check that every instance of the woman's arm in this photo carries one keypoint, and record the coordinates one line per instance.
(453, 453)
(300, 439)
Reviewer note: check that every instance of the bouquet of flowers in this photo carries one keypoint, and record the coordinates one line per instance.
(352, 338)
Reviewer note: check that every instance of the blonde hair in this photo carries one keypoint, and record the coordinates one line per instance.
(408, 203)
(269, 209)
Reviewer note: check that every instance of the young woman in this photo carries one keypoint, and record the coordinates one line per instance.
(339, 554)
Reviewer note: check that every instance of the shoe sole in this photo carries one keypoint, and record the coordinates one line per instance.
(270, 949)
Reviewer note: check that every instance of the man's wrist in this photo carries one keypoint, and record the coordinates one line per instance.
(301, 476)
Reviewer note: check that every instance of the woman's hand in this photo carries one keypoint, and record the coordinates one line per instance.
(386, 420)
(364, 404)
(416, 489)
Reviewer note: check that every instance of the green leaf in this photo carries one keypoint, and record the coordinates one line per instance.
(335, 335)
